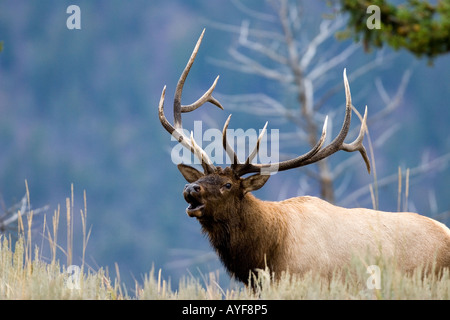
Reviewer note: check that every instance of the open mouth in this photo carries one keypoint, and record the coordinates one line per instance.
(195, 208)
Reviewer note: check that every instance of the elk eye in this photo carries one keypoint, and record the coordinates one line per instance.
(227, 185)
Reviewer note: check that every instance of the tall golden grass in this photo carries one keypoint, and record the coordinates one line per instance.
(25, 274)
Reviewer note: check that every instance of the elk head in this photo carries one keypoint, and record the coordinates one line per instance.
(217, 191)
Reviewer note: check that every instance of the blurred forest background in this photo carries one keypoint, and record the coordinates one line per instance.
(80, 106)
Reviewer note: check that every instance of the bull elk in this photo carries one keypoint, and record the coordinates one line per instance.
(298, 234)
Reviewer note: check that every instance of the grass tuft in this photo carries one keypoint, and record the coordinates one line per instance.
(25, 274)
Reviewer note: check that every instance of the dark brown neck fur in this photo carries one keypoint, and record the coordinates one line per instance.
(247, 238)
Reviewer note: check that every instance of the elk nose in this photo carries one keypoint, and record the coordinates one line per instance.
(192, 188)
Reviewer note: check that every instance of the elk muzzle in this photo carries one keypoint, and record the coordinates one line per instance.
(193, 195)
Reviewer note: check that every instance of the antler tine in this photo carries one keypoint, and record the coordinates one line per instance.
(316, 153)
(183, 139)
(229, 150)
(236, 165)
(256, 149)
(162, 118)
(338, 143)
(206, 97)
(176, 130)
(357, 144)
(179, 89)
(201, 155)
(284, 165)
(176, 133)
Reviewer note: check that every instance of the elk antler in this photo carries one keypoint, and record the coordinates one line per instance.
(177, 129)
(315, 154)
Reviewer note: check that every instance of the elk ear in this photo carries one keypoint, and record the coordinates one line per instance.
(189, 173)
(254, 182)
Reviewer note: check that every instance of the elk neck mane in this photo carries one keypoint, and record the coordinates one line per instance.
(249, 237)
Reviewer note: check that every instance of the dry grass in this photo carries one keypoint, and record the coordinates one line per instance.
(25, 275)
(21, 278)
(393, 285)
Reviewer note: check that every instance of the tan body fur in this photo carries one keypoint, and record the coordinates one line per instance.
(306, 233)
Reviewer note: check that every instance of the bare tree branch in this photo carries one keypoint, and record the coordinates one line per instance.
(245, 42)
(436, 164)
(302, 68)
(253, 13)
(9, 218)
